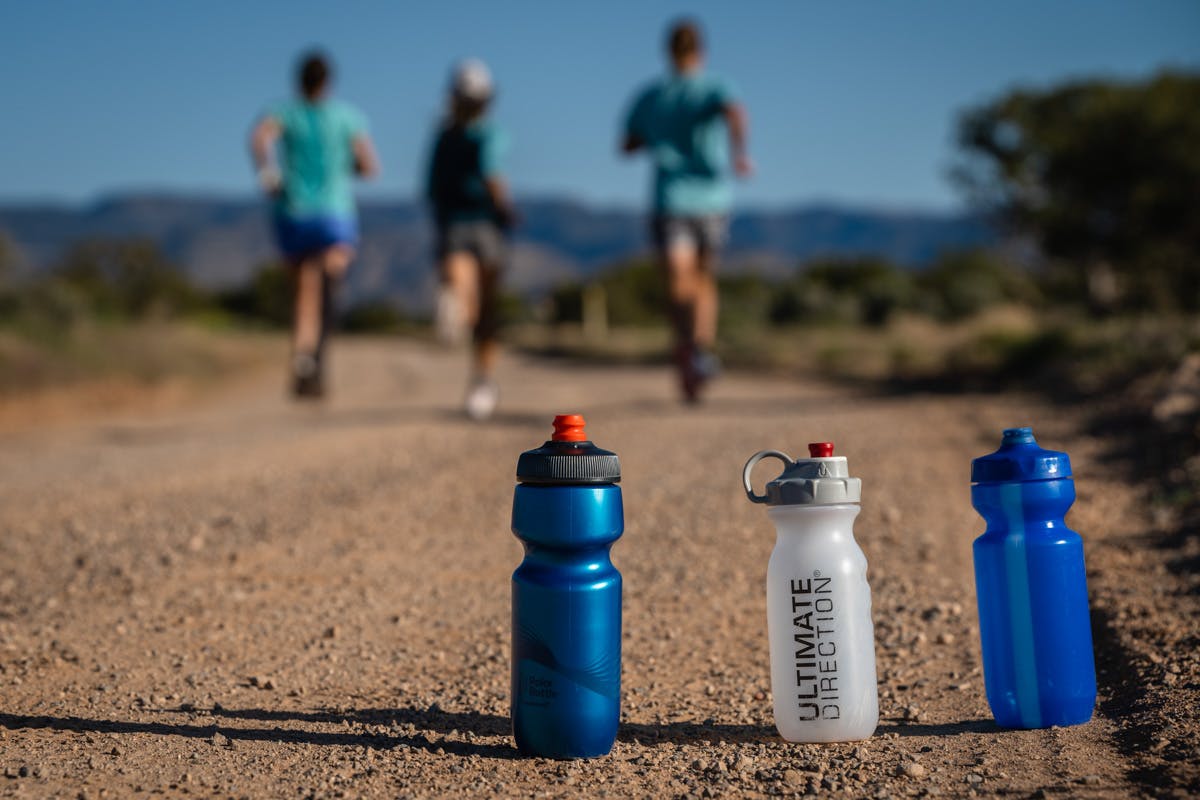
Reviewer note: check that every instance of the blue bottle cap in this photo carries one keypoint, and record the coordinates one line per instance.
(1020, 459)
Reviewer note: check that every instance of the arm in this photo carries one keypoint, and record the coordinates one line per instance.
(497, 189)
(366, 162)
(262, 151)
(735, 119)
(491, 157)
(635, 127)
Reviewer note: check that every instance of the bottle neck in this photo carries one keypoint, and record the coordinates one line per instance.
(814, 518)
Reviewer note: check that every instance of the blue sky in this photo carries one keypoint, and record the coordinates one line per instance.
(849, 102)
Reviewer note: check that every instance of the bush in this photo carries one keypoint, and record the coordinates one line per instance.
(374, 317)
(636, 295)
(864, 290)
(127, 279)
(962, 284)
(266, 298)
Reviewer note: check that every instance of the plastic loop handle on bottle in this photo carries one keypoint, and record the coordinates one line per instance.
(754, 459)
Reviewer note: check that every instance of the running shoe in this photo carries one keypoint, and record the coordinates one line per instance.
(706, 364)
(306, 377)
(689, 381)
(696, 367)
(482, 397)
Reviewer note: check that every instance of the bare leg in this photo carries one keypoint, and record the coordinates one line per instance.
(486, 345)
(683, 290)
(306, 316)
(334, 263)
(704, 320)
(474, 288)
(460, 272)
(336, 260)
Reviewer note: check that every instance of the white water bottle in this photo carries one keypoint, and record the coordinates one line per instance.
(818, 601)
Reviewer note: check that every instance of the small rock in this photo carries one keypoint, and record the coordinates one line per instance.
(791, 776)
(332, 632)
(911, 769)
(218, 740)
(262, 682)
(974, 778)
(945, 638)
(1090, 780)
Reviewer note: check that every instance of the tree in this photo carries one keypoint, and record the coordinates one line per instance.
(1105, 176)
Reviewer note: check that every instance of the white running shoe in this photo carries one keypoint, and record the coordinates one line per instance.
(482, 397)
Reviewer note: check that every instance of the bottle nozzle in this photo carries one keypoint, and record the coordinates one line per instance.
(569, 428)
(820, 450)
(1018, 436)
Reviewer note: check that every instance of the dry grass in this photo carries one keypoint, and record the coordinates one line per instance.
(94, 368)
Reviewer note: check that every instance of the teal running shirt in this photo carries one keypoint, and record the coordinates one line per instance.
(680, 120)
(316, 157)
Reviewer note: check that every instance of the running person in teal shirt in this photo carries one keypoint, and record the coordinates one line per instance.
(692, 126)
(307, 152)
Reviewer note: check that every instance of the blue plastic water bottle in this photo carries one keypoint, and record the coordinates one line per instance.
(1034, 623)
(566, 597)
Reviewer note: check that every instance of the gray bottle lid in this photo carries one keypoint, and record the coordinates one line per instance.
(821, 479)
(568, 458)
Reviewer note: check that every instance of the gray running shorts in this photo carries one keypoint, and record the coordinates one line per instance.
(705, 232)
(481, 238)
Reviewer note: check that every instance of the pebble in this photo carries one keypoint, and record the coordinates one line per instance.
(262, 682)
(1090, 780)
(974, 778)
(792, 777)
(218, 740)
(912, 769)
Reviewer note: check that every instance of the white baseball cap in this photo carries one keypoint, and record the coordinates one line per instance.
(472, 80)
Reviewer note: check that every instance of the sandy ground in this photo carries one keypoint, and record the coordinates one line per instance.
(251, 598)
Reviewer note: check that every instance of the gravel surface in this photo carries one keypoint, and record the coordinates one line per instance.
(251, 598)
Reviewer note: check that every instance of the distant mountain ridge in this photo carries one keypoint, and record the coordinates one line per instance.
(221, 241)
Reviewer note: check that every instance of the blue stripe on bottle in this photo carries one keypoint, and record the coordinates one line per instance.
(1020, 608)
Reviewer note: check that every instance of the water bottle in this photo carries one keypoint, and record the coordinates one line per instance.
(818, 601)
(566, 597)
(1034, 624)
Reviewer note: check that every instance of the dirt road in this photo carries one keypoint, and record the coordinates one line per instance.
(251, 598)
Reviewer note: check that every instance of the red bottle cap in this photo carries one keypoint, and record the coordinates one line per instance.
(569, 428)
(821, 450)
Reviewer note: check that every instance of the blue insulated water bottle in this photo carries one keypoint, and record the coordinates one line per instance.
(566, 597)
(1034, 624)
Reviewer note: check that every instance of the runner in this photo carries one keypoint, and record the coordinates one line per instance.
(687, 122)
(472, 215)
(307, 152)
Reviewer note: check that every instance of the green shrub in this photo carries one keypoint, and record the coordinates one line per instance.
(961, 284)
(858, 290)
(266, 298)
